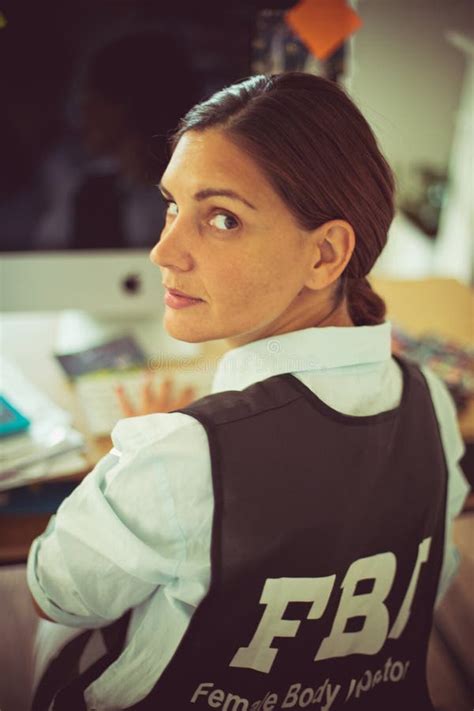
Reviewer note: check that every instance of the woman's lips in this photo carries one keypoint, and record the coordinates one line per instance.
(179, 302)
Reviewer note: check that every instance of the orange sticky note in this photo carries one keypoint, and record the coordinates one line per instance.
(323, 25)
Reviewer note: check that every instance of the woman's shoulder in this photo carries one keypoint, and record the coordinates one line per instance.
(137, 433)
(451, 438)
(445, 410)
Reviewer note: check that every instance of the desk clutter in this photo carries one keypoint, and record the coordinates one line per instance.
(119, 354)
(95, 373)
(36, 437)
(452, 363)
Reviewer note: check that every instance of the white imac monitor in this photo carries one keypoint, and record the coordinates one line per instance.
(91, 92)
(99, 294)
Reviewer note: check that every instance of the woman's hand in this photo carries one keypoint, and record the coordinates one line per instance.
(162, 399)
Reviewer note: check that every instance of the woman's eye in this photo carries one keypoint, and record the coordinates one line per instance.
(223, 221)
(171, 207)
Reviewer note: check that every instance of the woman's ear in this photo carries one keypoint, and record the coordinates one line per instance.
(334, 243)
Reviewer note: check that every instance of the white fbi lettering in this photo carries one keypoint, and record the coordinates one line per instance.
(370, 639)
(404, 613)
(279, 592)
(276, 595)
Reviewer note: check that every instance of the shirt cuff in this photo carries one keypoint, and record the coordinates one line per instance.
(55, 613)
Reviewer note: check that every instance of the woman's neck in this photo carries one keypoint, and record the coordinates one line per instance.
(308, 312)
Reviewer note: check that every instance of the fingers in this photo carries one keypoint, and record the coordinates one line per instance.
(124, 402)
(163, 399)
(187, 396)
(155, 398)
(147, 400)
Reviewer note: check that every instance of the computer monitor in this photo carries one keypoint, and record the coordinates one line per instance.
(99, 294)
(91, 91)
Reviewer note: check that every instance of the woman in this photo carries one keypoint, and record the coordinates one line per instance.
(279, 543)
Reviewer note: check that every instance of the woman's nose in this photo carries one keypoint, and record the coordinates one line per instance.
(170, 250)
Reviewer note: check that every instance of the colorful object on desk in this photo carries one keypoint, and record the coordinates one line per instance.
(323, 25)
(119, 354)
(452, 363)
(11, 421)
(35, 451)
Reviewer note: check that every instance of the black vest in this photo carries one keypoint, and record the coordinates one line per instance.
(327, 546)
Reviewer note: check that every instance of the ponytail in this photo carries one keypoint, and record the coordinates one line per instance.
(366, 307)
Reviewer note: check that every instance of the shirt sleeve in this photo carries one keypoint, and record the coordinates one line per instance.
(119, 535)
(458, 487)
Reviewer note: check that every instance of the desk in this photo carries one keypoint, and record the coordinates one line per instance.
(437, 305)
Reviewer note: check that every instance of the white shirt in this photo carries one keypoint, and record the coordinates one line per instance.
(136, 532)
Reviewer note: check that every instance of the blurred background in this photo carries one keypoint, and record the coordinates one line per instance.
(413, 77)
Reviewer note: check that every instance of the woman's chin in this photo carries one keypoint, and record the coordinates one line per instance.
(189, 333)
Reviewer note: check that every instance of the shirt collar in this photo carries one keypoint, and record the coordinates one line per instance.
(309, 349)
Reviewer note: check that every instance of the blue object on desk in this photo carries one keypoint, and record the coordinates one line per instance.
(11, 421)
(43, 499)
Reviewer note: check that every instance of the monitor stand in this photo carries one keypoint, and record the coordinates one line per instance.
(79, 330)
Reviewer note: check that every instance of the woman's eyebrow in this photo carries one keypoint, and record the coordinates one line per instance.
(212, 192)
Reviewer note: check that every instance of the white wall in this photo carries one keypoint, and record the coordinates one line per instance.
(407, 78)
(412, 84)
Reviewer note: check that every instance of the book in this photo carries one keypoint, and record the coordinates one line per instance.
(49, 435)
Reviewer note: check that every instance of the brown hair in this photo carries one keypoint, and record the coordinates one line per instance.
(321, 157)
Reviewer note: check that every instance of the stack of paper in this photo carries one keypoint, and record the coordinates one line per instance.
(50, 445)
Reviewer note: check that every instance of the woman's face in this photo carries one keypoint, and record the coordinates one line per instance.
(242, 254)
